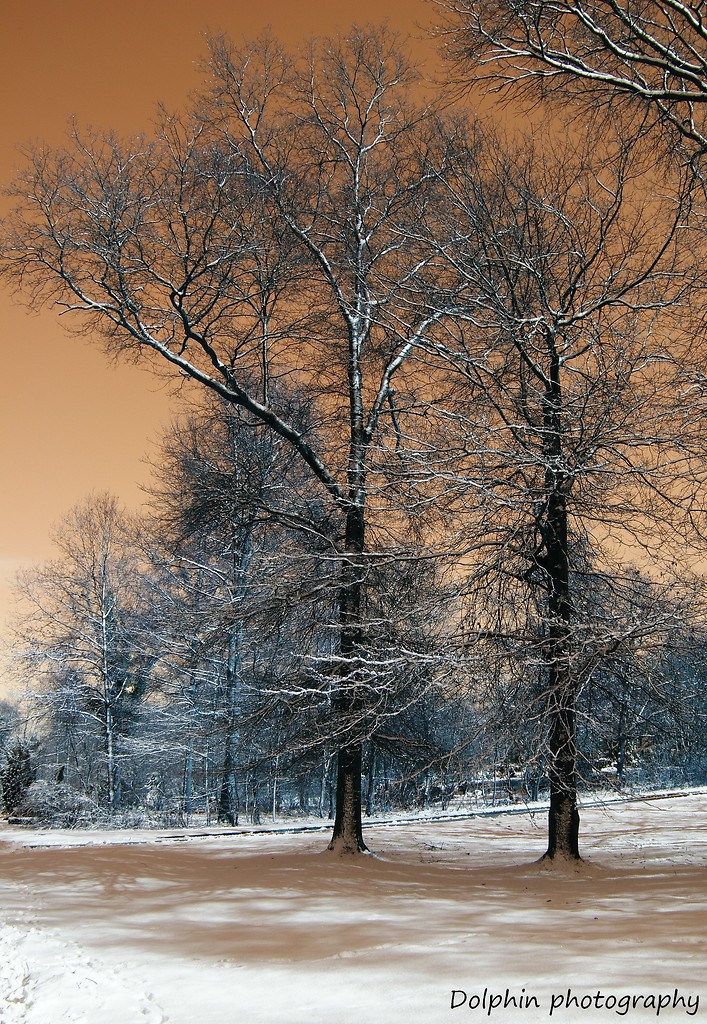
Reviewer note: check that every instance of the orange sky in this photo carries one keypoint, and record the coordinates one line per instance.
(69, 421)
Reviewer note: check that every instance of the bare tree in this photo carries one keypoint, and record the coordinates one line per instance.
(273, 234)
(79, 631)
(240, 551)
(642, 65)
(650, 57)
(561, 384)
(642, 708)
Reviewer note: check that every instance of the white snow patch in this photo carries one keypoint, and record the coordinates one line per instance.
(235, 928)
(46, 978)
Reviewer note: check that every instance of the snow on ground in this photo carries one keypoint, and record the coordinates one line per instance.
(237, 928)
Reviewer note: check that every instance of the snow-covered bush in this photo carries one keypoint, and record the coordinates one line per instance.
(59, 806)
(16, 776)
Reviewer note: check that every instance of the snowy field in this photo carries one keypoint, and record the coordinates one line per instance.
(116, 928)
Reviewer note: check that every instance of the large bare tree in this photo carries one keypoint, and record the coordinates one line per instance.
(271, 234)
(560, 372)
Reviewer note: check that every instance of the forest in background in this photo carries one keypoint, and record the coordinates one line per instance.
(435, 525)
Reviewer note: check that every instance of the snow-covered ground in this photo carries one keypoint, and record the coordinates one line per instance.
(116, 928)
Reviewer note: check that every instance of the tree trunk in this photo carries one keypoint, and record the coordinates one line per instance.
(188, 780)
(621, 741)
(110, 760)
(254, 806)
(563, 818)
(276, 769)
(189, 760)
(323, 784)
(331, 789)
(347, 836)
(371, 790)
(227, 801)
(228, 797)
(207, 784)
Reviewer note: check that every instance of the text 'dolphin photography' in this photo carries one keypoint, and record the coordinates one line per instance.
(559, 1004)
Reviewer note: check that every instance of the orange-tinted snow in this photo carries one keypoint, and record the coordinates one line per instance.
(268, 929)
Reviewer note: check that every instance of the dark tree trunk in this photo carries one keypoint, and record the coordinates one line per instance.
(331, 789)
(228, 795)
(563, 818)
(347, 836)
